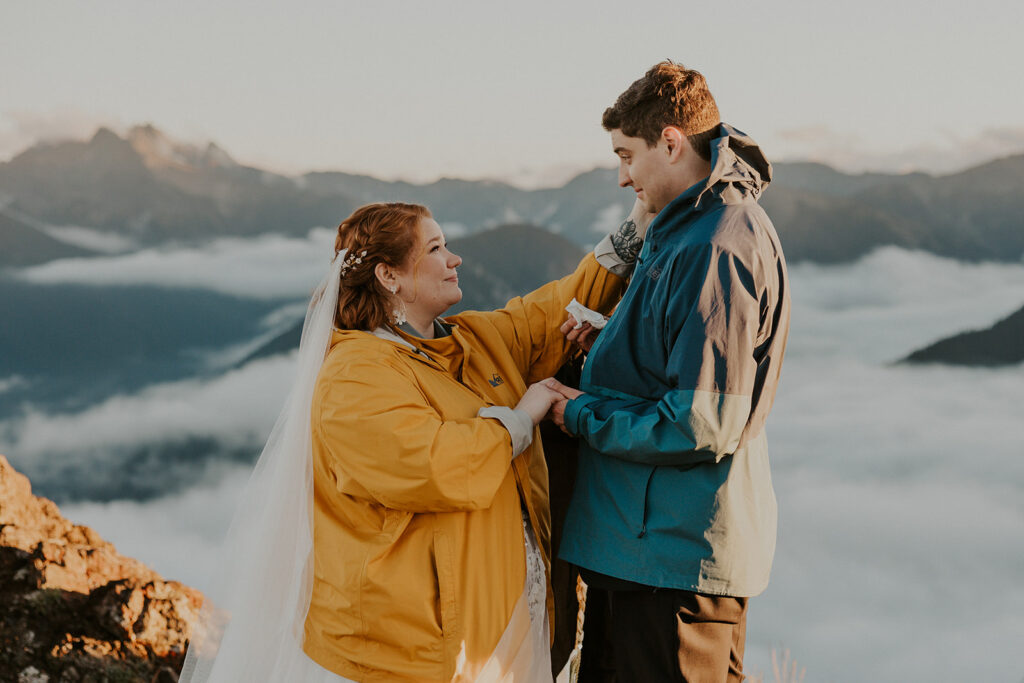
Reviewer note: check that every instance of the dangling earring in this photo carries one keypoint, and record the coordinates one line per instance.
(397, 313)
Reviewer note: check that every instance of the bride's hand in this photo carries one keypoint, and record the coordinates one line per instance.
(641, 217)
(564, 391)
(537, 401)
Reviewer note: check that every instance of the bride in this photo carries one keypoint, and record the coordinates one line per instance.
(396, 526)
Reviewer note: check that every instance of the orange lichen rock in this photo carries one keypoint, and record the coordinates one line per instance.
(72, 608)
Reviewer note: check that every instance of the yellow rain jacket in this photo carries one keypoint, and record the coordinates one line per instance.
(419, 552)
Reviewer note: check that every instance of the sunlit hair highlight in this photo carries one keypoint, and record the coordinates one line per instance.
(387, 233)
(669, 94)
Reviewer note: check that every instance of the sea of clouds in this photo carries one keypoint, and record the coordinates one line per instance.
(900, 488)
(269, 266)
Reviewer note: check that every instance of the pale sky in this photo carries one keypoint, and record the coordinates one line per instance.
(419, 90)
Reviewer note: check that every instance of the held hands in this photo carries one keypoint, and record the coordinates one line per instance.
(537, 400)
(565, 394)
(547, 398)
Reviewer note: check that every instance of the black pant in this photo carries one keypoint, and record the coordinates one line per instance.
(650, 636)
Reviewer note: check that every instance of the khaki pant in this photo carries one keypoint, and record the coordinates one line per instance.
(650, 636)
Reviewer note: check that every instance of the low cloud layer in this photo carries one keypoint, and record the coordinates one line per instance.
(236, 406)
(901, 531)
(268, 267)
(162, 439)
(179, 535)
(893, 301)
(899, 487)
(89, 238)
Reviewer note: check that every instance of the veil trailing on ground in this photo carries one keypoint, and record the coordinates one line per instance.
(255, 633)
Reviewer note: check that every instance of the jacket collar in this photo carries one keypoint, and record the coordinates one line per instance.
(739, 168)
(739, 171)
(441, 329)
(387, 334)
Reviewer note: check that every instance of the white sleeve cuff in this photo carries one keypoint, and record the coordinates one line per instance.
(606, 255)
(517, 422)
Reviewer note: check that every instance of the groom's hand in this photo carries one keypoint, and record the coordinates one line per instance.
(583, 337)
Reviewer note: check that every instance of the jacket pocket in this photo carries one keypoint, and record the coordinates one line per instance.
(644, 509)
(446, 597)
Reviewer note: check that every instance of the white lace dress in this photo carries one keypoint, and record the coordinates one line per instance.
(536, 581)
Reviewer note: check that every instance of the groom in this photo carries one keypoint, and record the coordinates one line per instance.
(672, 520)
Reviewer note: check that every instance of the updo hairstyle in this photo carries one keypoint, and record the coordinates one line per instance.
(387, 233)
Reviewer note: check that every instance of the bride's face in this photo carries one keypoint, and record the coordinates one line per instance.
(428, 283)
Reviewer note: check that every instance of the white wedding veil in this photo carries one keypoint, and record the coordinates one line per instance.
(255, 633)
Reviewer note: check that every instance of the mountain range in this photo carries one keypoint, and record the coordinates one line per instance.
(147, 189)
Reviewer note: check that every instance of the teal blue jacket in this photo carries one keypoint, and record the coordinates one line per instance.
(673, 487)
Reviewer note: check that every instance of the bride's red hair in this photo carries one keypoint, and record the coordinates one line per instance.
(387, 233)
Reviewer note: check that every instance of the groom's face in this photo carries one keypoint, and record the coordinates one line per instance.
(646, 169)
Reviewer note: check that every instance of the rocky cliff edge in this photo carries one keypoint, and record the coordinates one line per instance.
(73, 609)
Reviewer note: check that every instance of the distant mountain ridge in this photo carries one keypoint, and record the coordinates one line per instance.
(156, 191)
(1000, 344)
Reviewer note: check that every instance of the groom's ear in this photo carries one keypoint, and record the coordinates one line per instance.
(674, 143)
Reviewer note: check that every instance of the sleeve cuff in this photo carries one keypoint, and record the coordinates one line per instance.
(517, 422)
(606, 255)
(573, 412)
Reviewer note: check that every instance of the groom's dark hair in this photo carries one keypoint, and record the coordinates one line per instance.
(669, 94)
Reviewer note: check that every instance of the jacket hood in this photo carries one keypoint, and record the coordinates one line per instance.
(338, 335)
(739, 168)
